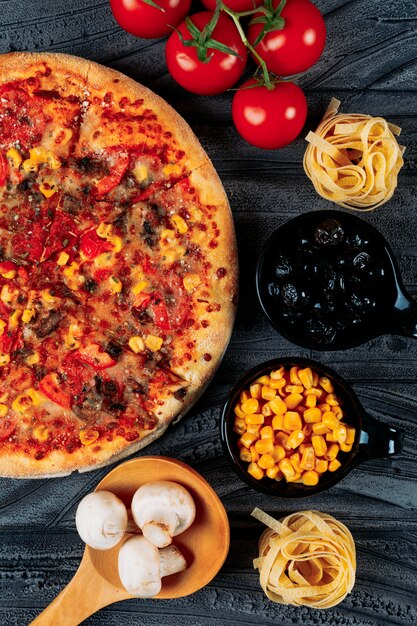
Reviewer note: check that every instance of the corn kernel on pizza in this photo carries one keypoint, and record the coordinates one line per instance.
(117, 265)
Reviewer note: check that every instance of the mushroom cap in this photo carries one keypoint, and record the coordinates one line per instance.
(163, 509)
(139, 567)
(101, 520)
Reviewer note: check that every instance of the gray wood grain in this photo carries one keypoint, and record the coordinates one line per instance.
(370, 63)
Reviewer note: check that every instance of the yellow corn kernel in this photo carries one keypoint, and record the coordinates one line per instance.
(256, 391)
(89, 436)
(38, 154)
(53, 161)
(332, 452)
(307, 429)
(330, 437)
(239, 426)
(286, 468)
(2, 327)
(263, 380)
(266, 461)
(71, 273)
(14, 320)
(295, 479)
(337, 411)
(48, 189)
(254, 454)
(292, 421)
(332, 399)
(140, 172)
(267, 432)
(295, 462)
(254, 419)
(4, 359)
(139, 287)
(10, 274)
(255, 471)
(327, 384)
(154, 343)
(277, 384)
(278, 406)
(116, 242)
(350, 435)
(277, 374)
(264, 446)
(294, 389)
(40, 433)
(274, 473)
(36, 396)
(306, 377)
(21, 403)
(167, 237)
(268, 393)
(48, 297)
(313, 391)
(346, 447)
(63, 258)
(191, 281)
(29, 166)
(293, 400)
(245, 455)
(248, 440)
(320, 429)
(315, 379)
(14, 157)
(136, 344)
(311, 401)
(324, 407)
(115, 284)
(172, 168)
(319, 445)
(308, 458)
(296, 437)
(33, 359)
(278, 422)
(253, 429)
(340, 433)
(321, 465)
(310, 478)
(294, 378)
(244, 395)
(8, 294)
(266, 410)
(334, 465)
(278, 453)
(312, 416)
(3, 410)
(238, 411)
(281, 439)
(250, 406)
(104, 230)
(179, 223)
(330, 420)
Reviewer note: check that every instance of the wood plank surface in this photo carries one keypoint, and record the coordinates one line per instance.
(370, 63)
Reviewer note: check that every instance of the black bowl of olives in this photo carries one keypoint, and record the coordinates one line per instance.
(328, 280)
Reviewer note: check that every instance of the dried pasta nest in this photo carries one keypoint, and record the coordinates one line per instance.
(306, 559)
(353, 159)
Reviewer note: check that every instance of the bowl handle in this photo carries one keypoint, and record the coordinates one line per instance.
(404, 321)
(376, 440)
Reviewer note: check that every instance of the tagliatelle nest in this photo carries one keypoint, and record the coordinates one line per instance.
(306, 559)
(353, 159)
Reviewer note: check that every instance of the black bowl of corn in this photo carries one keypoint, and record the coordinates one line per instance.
(292, 427)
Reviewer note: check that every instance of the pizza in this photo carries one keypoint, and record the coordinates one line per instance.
(118, 265)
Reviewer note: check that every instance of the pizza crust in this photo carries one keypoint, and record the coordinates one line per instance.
(214, 339)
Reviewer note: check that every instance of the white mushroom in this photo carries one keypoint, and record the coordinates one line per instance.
(101, 520)
(141, 566)
(162, 510)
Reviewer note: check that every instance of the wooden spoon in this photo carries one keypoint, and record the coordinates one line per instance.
(205, 545)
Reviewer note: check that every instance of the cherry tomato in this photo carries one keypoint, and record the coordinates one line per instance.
(91, 245)
(235, 5)
(3, 169)
(298, 45)
(218, 74)
(94, 355)
(269, 118)
(142, 19)
(7, 427)
(117, 172)
(51, 387)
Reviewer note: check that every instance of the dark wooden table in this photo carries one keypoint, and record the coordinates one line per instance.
(370, 63)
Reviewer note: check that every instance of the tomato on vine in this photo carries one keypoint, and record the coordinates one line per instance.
(205, 54)
(269, 118)
(235, 5)
(290, 37)
(149, 18)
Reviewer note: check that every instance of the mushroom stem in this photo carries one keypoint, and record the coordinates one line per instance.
(160, 525)
(171, 561)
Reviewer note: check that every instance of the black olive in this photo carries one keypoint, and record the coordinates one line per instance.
(329, 233)
(114, 349)
(90, 285)
(117, 406)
